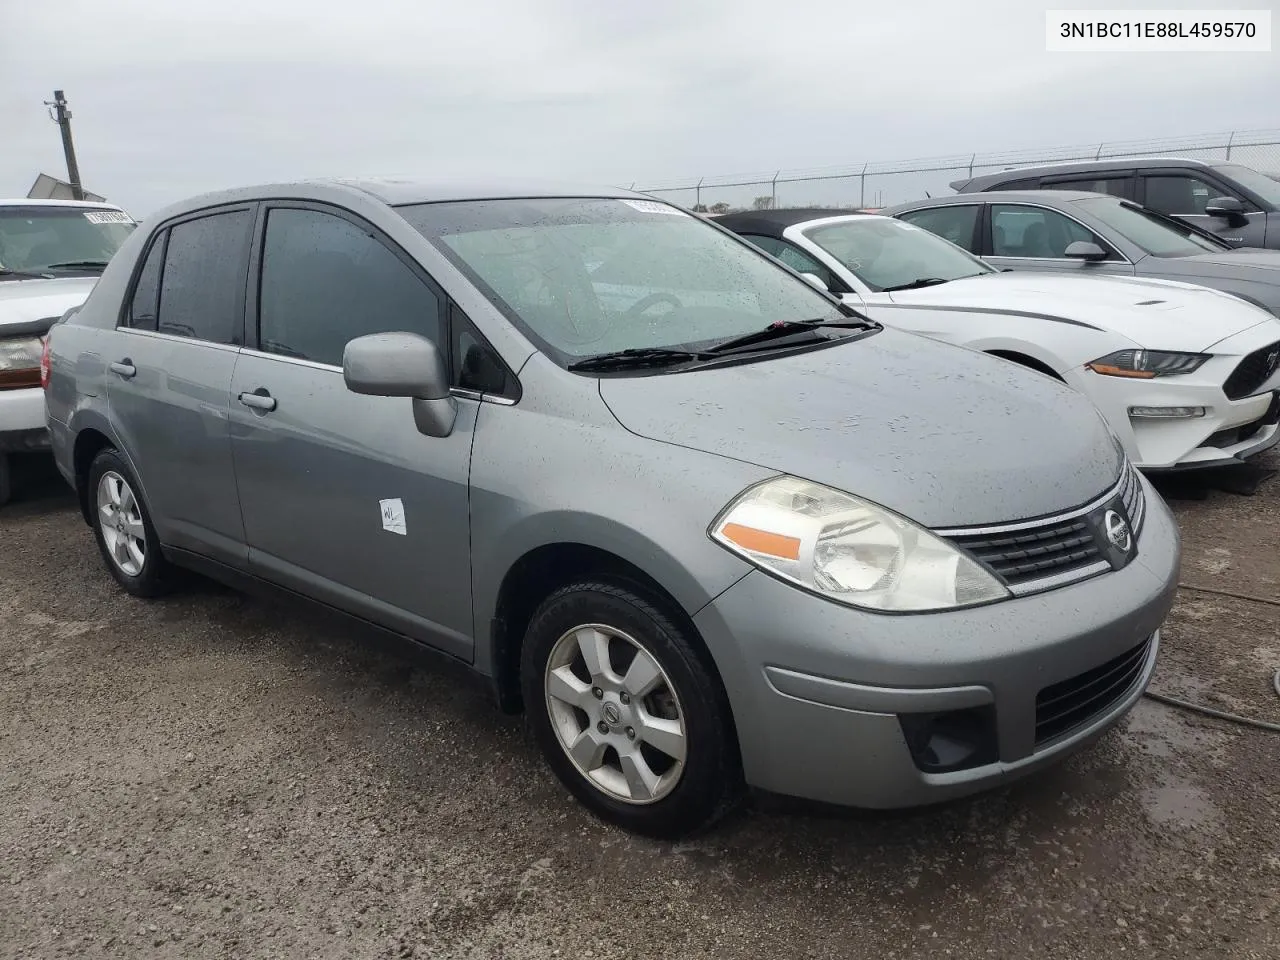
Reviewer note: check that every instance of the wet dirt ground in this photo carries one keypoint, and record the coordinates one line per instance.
(218, 776)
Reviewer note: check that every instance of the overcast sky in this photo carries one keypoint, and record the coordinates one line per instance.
(174, 97)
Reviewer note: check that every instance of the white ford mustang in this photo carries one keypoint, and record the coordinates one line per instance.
(1185, 375)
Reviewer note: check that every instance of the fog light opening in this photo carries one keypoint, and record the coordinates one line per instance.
(950, 741)
(1167, 413)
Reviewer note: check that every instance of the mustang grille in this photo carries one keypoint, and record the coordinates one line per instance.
(1252, 372)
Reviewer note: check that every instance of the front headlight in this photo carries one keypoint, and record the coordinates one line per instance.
(849, 550)
(20, 362)
(1146, 364)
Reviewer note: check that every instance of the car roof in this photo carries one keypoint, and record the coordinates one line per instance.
(978, 183)
(29, 202)
(772, 223)
(1045, 198)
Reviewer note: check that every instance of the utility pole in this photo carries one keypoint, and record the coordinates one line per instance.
(62, 117)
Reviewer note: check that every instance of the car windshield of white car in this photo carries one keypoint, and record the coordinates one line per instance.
(1157, 235)
(592, 277)
(890, 255)
(60, 241)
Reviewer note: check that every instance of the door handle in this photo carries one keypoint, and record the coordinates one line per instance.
(259, 400)
(124, 368)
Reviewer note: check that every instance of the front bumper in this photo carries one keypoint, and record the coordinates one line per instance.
(819, 691)
(22, 420)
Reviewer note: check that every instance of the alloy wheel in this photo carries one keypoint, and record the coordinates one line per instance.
(120, 520)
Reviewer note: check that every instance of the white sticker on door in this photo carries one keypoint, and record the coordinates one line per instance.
(393, 516)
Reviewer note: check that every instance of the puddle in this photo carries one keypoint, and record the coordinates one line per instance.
(1176, 803)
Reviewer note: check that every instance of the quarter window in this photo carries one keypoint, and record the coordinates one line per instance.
(1034, 233)
(203, 277)
(1180, 195)
(146, 294)
(951, 223)
(327, 281)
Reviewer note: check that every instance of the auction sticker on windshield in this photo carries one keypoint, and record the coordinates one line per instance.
(108, 216)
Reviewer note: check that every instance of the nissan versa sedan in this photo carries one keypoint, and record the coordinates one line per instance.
(1185, 375)
(708, 527)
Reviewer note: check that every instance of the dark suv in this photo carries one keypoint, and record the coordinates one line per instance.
(1236, 202)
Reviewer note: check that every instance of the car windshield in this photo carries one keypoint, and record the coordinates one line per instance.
(1159, 236)
(57, 239)
(588, 276)
(884, 253)
(1264, 185)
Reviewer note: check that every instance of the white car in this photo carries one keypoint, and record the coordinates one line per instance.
(51, 254)
(1185, 375)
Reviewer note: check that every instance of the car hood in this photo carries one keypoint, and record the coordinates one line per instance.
(940, 434)
(1243, 262)
(26, 301)
(1154, 313)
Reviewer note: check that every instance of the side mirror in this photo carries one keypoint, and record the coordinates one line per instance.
(403, 365)
(817, 281)
(1084, 250)
(1228, 207)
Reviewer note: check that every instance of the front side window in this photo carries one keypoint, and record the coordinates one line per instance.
(1034, 233)
(1180, 195)
(793, 257)
(202, 281)
(1156, 235)
(582, 276)
(326, 281)
(887, 254)
(950, 223)
(61, 240)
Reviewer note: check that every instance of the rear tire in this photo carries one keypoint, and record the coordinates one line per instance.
(627, 713)
(122, 526)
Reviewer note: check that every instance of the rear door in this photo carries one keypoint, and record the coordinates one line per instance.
(1025, 236)
(343, 499)
(170, 368)
(1183, 193)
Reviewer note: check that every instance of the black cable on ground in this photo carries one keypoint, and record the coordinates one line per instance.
(1209, 711)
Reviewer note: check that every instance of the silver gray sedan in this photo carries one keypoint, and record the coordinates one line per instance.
(1093, 233)
(706, 526)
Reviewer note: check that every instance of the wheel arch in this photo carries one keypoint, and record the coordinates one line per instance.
(92, 434)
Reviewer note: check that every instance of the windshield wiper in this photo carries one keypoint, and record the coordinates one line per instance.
(27, 274)
(638, 357)
(915, 284)
(79, 265)
(786, 328)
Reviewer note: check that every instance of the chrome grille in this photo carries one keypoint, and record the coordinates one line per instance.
(1055, 550)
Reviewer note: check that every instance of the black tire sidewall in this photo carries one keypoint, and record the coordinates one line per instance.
(710, 782)
(150, 581)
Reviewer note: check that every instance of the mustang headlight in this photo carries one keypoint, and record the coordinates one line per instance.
(1146, 364)
(849, 550)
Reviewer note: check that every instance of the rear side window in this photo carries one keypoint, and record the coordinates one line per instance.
(1114, 186)
(146, 295)
(326, 281)
(203, 278)
(951, 223)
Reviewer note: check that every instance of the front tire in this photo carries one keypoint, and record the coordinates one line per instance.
(122, 527)
(627, 713)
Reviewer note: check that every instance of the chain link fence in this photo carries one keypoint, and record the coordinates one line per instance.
(884, 184)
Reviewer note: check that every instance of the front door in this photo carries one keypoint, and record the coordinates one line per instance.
(171, 363)
(343, 500)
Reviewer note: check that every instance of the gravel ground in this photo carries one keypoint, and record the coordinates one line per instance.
(217, 776)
